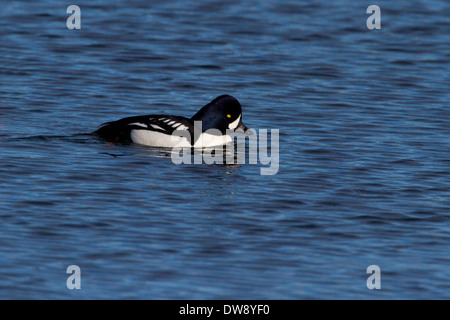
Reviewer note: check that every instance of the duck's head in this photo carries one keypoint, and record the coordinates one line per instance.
(223, 113)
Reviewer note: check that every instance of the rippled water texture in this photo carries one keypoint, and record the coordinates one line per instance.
(364, 150)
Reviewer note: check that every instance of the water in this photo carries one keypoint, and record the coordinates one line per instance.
(364, 151)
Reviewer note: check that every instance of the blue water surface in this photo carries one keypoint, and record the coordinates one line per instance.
(364, 155)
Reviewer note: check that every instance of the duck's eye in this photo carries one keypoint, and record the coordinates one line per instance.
(228, 115)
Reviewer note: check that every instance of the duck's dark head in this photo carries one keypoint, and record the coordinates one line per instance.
(223, 113)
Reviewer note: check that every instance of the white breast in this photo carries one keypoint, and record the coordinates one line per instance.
(209, 140)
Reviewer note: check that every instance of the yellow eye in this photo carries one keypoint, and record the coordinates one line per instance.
(228, 115)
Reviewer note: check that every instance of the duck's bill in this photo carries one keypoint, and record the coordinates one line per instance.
(243, 128)
(241, 125)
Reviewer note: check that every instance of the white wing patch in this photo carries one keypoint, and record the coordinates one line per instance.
(143, 125)
(154, 126)
(180, 126)
(157, 132)
(175, 124)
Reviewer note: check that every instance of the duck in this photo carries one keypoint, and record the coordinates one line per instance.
(213, 125)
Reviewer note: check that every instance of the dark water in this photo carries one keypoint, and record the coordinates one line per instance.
(364, 150)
